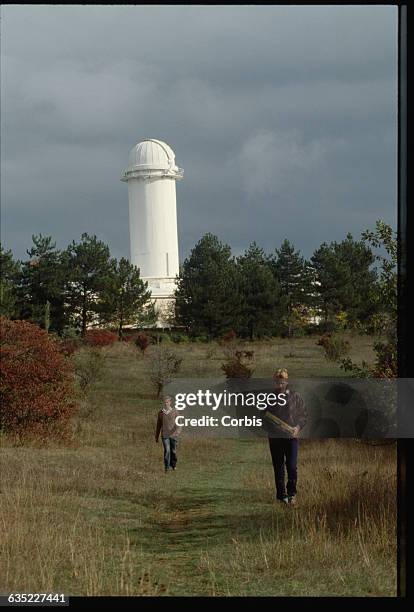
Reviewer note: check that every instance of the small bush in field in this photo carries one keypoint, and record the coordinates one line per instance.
(336, 348)
(237, 366)
(230, 336)
(89, 367)
(36, 381)
(386, 363)
(179, 338)
(100, 337)
(127, 338)
(324, 339)
(163, 363)
(69, 346)
(142, 342)
(70, 333)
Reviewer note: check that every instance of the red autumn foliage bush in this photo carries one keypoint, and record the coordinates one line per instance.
(324, 339)
(143, 341)
(36, 380)
(100, 337)
(229, 336)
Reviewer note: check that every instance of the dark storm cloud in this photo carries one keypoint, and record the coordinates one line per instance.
(283, 118)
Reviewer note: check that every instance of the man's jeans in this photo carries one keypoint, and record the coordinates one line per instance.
(170, 452)
(284, 450)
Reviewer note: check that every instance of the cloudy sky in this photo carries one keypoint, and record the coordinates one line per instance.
(283, 118)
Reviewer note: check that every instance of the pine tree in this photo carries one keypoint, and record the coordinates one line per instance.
(324, 264)
(126, 298)
(345, 278)
(89, 275)
(207, 295)
(260, 294)
(9, 279)
(292, 273)
(42, 281)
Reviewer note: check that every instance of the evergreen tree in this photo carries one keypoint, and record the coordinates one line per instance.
(259, 293)
(345, 280)
(89, 275)
(292, 273)
(207, 295)
(9, 279)
(325, 266)
(42, 283)
(126, 298)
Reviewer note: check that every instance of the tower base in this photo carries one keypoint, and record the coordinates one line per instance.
(162, 293)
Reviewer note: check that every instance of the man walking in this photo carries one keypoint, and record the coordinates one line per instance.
(283, 424)
(169, 431)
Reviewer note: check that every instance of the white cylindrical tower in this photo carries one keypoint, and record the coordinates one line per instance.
(151, 176)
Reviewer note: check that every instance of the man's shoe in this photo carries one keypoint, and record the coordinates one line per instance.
(283, 500)
(292, 500)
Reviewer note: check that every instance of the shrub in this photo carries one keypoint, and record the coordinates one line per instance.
(158, 337)
(386, 363)
(229, 336)
(341, 320)
(36, 381)
(163, 363)
(378, 324)
(69, 346)
(335, 347)
(70, 333)
(324, 339)
(89, 367)
(142, 342)
(166, 338)
(294, 323)
(179, 338)
(100, 337)
(328, 327)
(237, 366)
(312, 328)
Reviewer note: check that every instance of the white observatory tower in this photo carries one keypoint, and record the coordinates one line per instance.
(151, 176)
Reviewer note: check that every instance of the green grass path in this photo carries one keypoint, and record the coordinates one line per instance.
(199, 509)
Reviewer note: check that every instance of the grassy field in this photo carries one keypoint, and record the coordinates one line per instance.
(102, 518)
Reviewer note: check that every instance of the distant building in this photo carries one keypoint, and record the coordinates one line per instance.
(151, 175)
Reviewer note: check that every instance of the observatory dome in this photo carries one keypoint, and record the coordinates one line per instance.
(151, 156)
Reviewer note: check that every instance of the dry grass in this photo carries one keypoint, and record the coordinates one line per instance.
(101, 517)
(341, 539)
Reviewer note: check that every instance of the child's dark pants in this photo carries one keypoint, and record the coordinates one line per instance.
(284, 450)
(170, 452)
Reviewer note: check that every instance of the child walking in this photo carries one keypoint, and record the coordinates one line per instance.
(169, 432)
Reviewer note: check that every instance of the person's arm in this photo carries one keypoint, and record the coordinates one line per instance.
(158, 427)
(302, 413)
(177, 428)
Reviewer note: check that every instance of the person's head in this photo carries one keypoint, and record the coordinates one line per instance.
(281, 379)
(167, 401)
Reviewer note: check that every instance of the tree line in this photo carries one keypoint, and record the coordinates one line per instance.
(77, 287)
(282, 293)
(255, 294)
